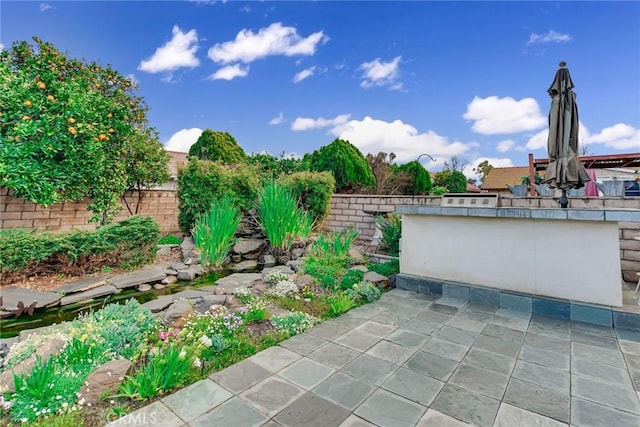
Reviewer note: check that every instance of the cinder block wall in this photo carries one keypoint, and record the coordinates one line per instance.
(162, 205)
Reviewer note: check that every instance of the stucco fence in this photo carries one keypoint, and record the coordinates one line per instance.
(346, 210)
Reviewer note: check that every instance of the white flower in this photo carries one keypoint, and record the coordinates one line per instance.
(182, 354)
(205, 340)
(197, 362)
(65, 404)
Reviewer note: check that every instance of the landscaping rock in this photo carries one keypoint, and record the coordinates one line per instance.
(197, 268)
(12, 296)
(171, 272)
(245, 265)
(139, 277)
(304, 280)
(246, 246)
(201, 305)
(283, 259)
(169, 280)
(177, 311)
(238, 280)
(268, 260)
(356, 256)
(90, 294)
(187, 244)
(189, 294)
(187, 274)
(297, 253)
(295, 264)
(164, 249)
(82, 285)
(177, 266)
(45, 351)
(144, 287)
(158, 286)
(375, 278)
(159, 303)
(360, 268)
(106, 378)
(236, 258)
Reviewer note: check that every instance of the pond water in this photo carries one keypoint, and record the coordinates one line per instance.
(12, 326)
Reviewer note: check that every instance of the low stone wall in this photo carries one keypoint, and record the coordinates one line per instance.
(162, 205)
(349, 209)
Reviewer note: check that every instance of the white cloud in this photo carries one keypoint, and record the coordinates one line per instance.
(277, 120)
(245, 9)
(495, 115)
(538, 141)
(549, 37)
(45, 6)
(378, 73)
(372, 136)
(303, 74)
(307, 123)
(179, 52)
(493, 161)
(620, 136)
(506, 145)
(270, 41)
(230, 72)
(183, 139)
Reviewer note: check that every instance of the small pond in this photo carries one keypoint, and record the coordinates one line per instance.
(12, 326)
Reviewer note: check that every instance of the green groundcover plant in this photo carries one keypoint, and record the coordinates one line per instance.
(214, 231)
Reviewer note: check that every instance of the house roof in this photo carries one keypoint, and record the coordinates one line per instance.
(176, 160)
(498, 178)
(628, 160)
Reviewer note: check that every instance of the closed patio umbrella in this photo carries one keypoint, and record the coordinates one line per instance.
(565, 170)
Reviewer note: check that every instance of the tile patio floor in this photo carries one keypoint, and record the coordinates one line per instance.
(414, 360)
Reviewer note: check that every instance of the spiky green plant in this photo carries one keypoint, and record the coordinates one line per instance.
(281, 218)
(213, 233)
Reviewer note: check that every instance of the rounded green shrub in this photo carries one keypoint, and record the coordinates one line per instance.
(349, 167)
(214, 145)
(418, 179)
(453, 181)
(313, 190)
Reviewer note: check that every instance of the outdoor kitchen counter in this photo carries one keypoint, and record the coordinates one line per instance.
(571, 254)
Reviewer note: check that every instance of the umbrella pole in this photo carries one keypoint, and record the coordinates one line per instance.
(564, 201)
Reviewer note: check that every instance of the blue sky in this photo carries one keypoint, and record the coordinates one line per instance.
(443, 78)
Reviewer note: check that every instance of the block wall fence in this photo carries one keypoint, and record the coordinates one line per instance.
(346, 210)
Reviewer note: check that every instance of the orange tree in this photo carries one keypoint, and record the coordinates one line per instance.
(68, 130)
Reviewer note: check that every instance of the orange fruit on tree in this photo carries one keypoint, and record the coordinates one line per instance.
(50, 98)
(27, 103)
(111, 130)
(72, 130)
(109, 115)
(26, 118)
(102, 137)
(41, 85)
(71, 120)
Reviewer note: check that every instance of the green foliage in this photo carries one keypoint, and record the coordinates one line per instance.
(213, 145)
(214, 231)
(164, 372)
(335, 244)
(526, 180)
(349, 167)
(325, 273)
(280, 217)
(293, 323)
(272, 167)
(201, 182)
(483, 169)
(340, 303)
(418, 181)
(386, 268)
(453, 181)
(128, 243)
(438, 190)
(391, 228)
(256, 311)
(351, 278)
(313, 190)
(170, 239)
(68, 130)
(365, 291)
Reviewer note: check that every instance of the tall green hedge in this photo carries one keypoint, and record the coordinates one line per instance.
(418, 179)
(202, 181)
(453, 181)
(313, 189)
(128, 244)
(349, 167)
(214, 145)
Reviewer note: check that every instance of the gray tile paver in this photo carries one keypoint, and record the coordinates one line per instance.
(427, 363)
(467, 406)
(232, 413)
(149, 415)
(590, 414)
(387, 409)
(196, 399)
(344, 390)
(311, 410)
(306, 373)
